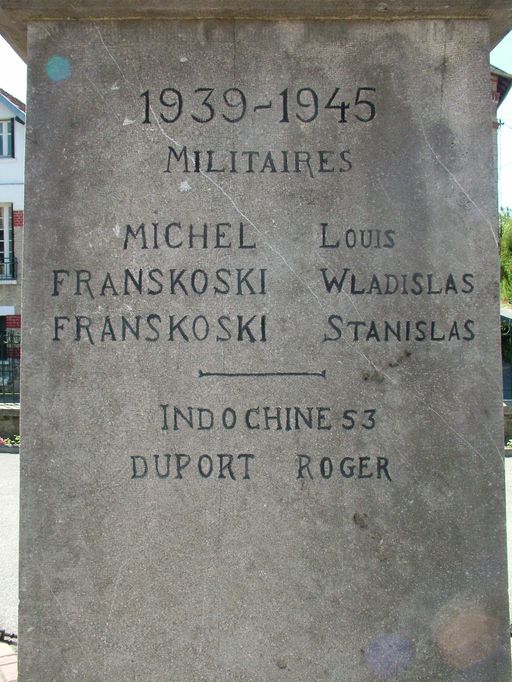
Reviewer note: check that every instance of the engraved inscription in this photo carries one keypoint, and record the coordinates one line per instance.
(169, 269)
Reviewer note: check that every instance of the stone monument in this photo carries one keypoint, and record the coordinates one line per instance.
(261, 431)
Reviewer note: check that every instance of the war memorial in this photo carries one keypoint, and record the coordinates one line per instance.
(261, 422)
